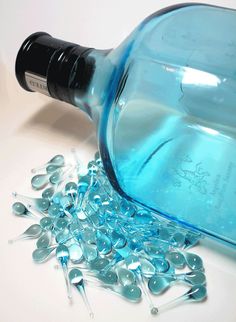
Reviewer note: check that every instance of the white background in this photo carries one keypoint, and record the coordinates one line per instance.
(33, 128)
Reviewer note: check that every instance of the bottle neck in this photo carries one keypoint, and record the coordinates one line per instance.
(59, 69)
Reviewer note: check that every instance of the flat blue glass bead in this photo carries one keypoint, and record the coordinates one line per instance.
(76, 253)
(131, 292)
(63, 236)
(46, 223)
(62, 254)
(99, 264)
(143, 217)
(55, 210)
(193, 261)
(57, 197)
(103, 243)
(158, 285)
(161, 265)
(39, 181)
(19, 209)
(48, 193)
(61, 223)
(118, 239)
(90, 252)
(66, 202)
(109, 277)
(52, 168)
(44, 240)
(177, 259)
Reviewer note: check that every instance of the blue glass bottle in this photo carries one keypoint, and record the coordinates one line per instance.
(164, 106)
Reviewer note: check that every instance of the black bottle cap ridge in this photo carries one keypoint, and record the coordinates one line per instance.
(60, 63)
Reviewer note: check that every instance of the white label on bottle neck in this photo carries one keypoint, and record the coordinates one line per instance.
(36, 83)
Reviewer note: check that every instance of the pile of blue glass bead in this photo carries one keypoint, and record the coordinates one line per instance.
(102, 239)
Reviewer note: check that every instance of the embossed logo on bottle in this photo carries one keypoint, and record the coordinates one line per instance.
(191, 173)
(198, 179)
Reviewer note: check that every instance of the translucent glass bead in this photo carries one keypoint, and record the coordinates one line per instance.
(57, 160)
(195, 278)
(41, 204)
(83, 184)
(52, 168)
(147, 268)
(191, 239)
(55, 210)
(44, 241)
(66, 202)
(197, 293)
(57, 197)
(19, 209)
(177, 239)
(61, 223)
(40, 255)
(193, 261)
(46, 223)
(131, 292)
(103, 243)
(34, 231)
(153, 250)
(63, 256)
(76, 279)
(92, 168)
(127, 209)
(108, 277)
(89, 252)
(161, 265)
(76, 253)
(177, 259)
(158, 285)
(71, 190)
(118, 239)
(126, 277)
(143, 217)
(48, 193)
(89, 235)
(40, 181)
(99, 264)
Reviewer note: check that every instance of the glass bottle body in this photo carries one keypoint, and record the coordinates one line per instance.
(166, 116)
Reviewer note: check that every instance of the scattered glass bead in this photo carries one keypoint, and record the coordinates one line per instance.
(76, 279)
(158, 284)
(126, 277)
(48, 193)
(44, 240)
(121, 246)
(193, 261)
(19, 209)
(195, 294)
(40, 255)
(63, 256)
(177, 259)
(39, 181)
(57, 160)
(34, 231)
(46, 223)
(40, 204)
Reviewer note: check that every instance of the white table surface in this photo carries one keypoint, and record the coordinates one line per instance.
(32, 129)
